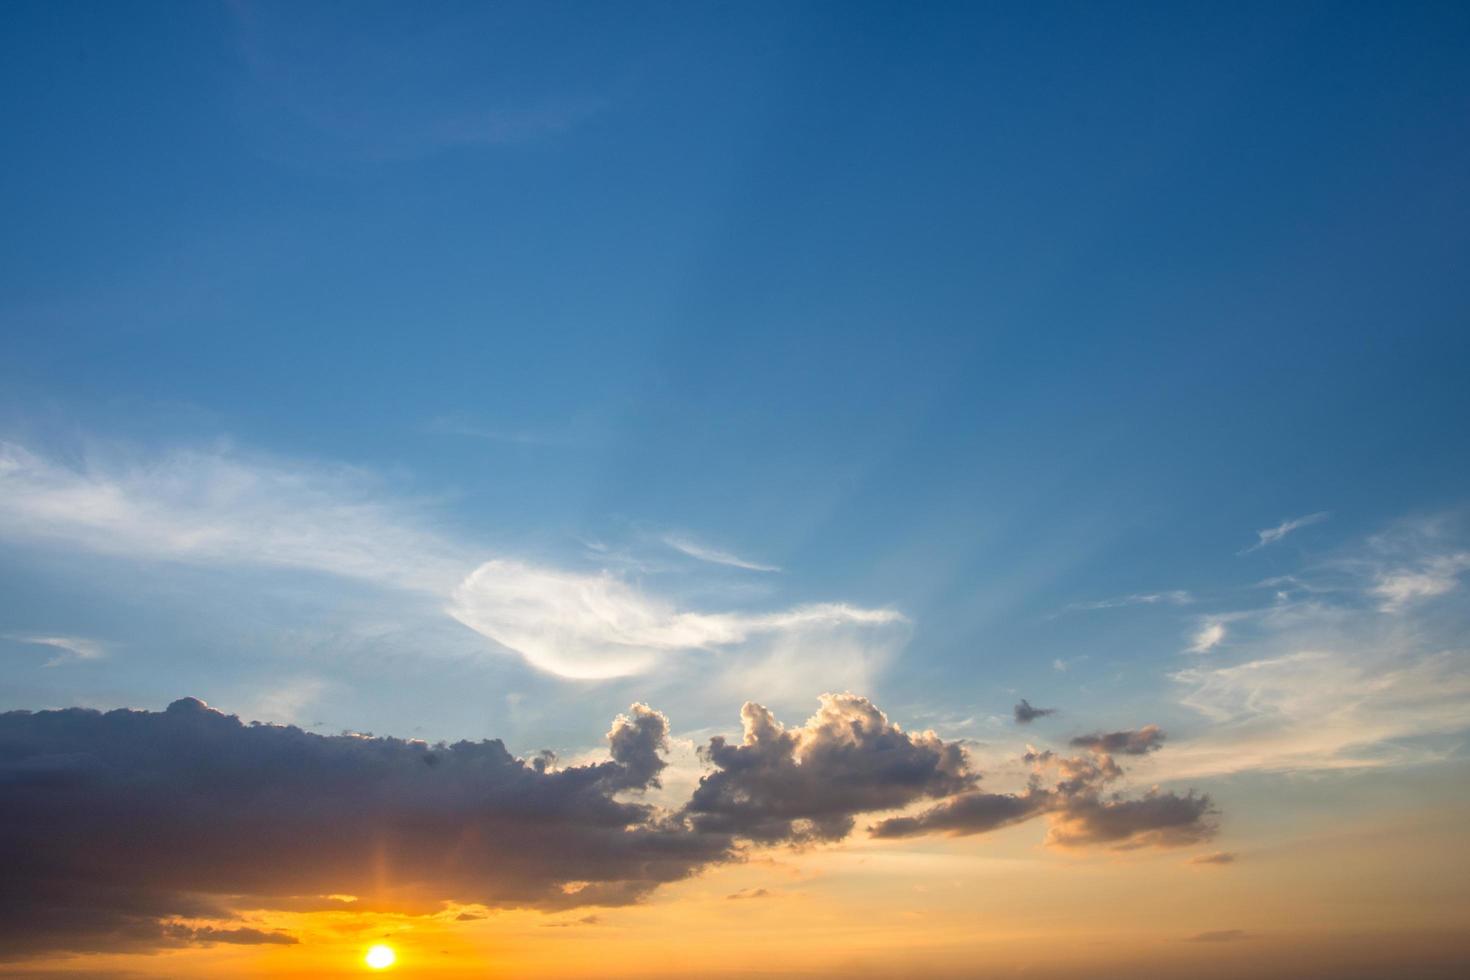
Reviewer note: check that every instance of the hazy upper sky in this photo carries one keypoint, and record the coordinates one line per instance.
(466, 371)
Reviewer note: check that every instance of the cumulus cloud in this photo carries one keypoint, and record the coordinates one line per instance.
(1271, 535)
(807, 783)
(113, 827)
(1077, 804)
(1025, 713)
(136, 830)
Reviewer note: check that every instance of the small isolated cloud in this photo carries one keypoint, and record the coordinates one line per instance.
(1149, 738)
(714, 556)
(1210, 635)
(1025, 713)
(1061, 665)
(745, 893)
(72, 647)
(1219, 936)
(1218, 857)
(1401, 588)
(1271, 535)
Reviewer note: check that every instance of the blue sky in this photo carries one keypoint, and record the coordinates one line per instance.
(952, 354)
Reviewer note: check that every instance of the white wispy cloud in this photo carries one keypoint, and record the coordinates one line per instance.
(1399, 588)
(694, 549)
(1210, 635)
(600, 625)
(1173, 597)
(1271, 535)
(1361, 674)
(205, 507)
(219, 508)
(71, 647)
(1321, 709)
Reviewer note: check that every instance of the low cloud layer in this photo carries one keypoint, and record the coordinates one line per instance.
(137, 830)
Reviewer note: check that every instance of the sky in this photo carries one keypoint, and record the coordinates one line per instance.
(975, 488)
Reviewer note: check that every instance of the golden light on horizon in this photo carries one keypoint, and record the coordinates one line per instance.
(380, 957)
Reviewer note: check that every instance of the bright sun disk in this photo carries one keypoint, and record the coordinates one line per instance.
(380, 957)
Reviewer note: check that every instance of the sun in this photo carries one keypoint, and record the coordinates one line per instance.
(380, 957)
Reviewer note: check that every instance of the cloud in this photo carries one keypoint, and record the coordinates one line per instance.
(747, 893)
(1025, 714)
(72, 647)
(223, 509)
(1217, 857)
(1209, 636)
(1400, 588)
(137, 830)
(693, 549)
(970, 813)
(593, 626)
(219, 508)
(1271, 535)
(807, 783)
(1137, 742)
(1173, 597)
(114, 826)
(1156, 819)
(1080, 811)
(1349, 669)
(1351, 707)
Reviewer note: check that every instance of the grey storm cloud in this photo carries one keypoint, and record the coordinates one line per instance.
(112, 826)
(1026, 714)
(137, 830)
(1140, 742)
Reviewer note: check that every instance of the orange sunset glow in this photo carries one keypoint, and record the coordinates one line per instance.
(775, 490)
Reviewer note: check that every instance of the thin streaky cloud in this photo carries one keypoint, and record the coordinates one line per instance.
(1271, 535)
(219, 509)
(1400, 588)
(1172, 597)
(454, 425)
(714, 556)
(71, 647)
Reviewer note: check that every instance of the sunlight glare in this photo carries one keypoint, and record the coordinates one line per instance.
(380, 957)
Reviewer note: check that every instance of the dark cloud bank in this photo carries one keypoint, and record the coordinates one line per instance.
(128, 830)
